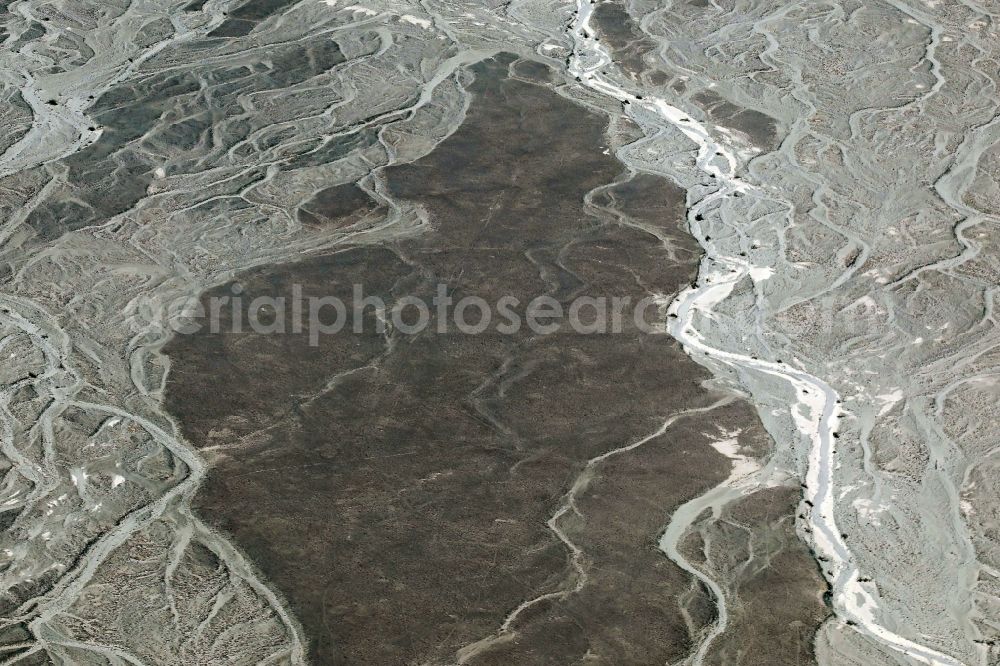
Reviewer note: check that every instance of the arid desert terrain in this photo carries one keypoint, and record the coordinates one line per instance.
(559, 332)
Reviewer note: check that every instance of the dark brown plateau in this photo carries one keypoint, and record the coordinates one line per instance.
(401, 508)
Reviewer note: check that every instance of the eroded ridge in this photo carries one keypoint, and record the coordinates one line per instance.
(963, 632)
